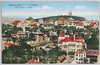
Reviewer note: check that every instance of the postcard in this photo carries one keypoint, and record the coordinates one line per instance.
(50, 32)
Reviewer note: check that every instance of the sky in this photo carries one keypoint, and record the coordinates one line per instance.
(38, 9)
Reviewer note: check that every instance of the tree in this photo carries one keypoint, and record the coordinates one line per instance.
(30, 18)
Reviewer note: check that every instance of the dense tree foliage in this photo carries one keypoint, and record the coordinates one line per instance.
(55, 18)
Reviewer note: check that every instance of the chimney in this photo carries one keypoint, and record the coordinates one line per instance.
(38, 60)
(74, 37)
(35, 60)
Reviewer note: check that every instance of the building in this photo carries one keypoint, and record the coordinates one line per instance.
(71, 22)
(79, 24)
(93, 55)
(20, 34)
(71, 43)
(70, 13)
(17, 23)
(61, 21)
(38, 36)
(94, 25)
(80, 56)
(87, 56)
(45, 37)
(6, 42)
(61, 59)
(40, 21)
(48, 25)
(34, 26)
(86, 23)
(34, 61)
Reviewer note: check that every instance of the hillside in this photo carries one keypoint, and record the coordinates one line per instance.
(55, 18)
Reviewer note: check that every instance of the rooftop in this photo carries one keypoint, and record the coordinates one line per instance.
(79, 51)
(16, 22)
(33, 61)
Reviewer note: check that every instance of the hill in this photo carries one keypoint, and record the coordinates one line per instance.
(55, 18)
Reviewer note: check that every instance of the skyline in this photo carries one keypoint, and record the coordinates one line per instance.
(39, 9)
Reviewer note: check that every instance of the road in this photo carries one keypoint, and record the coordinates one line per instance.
(68, 60)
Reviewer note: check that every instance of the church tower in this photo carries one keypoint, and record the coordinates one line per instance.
(70, 13)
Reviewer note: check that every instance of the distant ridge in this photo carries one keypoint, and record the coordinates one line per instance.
(9, 20)
(55, 18)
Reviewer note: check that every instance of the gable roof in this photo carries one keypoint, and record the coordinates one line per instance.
(79, 51)
(16, 22)
(92, 24)
(62, 19)
(33, 61)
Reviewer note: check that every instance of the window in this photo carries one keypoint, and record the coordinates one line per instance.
(65, 46)
(81, 55)
(76, 54)
(76, 58)
(84, 54)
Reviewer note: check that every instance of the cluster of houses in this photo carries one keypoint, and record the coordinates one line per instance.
(79, 47)
(65, 42)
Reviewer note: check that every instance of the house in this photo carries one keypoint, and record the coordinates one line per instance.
(87, 56)
(70, 13)
(45, 37)
(93, 55)
(70, 22)
(61, 59)
(80, 56)
(34, 25)
(61, 21)
(14, 35)
(38, 36)
(34, 61)
(6, 42)
(79, 24)
(40, 21)
(86, 23)
(94, 25)
(71, 43)
(48, 25)
(17, 23)
(20, 33)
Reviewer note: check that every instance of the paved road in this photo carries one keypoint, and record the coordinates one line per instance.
(68, 60)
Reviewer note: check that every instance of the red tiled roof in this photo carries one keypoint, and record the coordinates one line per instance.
(81, 42)
(62, 35)
(61, 57)
(20, 32)
(79, 51)
(93, 52)
(34, 25)
(77, 37)
(16, 22)
(79, 23)
(92, 24)
(33, 62)
(70, 39)
(13, 34)
(11, 44)
(62, 19)
(47, 21)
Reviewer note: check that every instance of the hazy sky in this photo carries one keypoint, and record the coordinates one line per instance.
(38, 9)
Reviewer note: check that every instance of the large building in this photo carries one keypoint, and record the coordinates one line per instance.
(38, 36)
(87, 56)
(71, 43)
(80, 56)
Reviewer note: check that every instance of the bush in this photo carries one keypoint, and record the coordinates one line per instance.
(71, 53)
